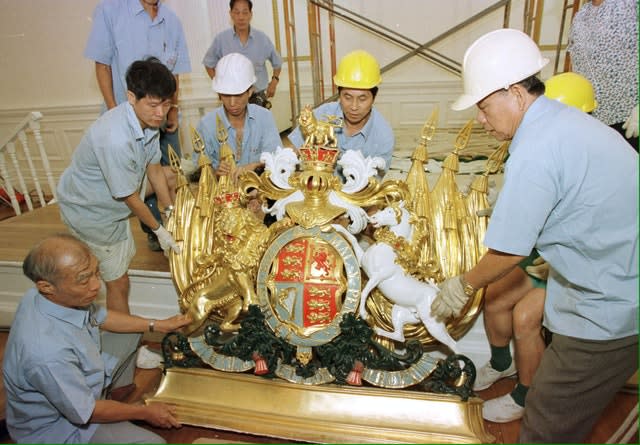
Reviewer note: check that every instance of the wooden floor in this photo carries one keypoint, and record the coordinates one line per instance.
(18, 234)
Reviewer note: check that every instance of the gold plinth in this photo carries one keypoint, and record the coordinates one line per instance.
(322, 414)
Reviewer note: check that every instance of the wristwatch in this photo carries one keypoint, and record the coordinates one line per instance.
(168, 210)
(468, 289)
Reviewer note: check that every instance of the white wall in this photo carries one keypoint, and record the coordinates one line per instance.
(42, 42)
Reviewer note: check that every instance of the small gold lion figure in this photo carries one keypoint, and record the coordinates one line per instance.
(318, 133)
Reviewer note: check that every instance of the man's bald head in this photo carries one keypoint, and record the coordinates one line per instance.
(48, 259)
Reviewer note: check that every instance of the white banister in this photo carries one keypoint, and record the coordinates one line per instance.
(16, 185)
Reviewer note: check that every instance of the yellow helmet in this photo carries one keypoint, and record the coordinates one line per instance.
(571, 89)
(359, 70)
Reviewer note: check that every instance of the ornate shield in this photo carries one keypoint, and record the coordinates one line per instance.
(307, 278)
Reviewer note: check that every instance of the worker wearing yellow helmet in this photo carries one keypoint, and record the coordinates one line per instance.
(571, 89)
(570, 191)
(514, 304)
(364, 128)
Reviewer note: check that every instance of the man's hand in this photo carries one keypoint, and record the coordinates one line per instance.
(450, 300)
(161, 415)
(172, 120)
(166, 240)
(171, 324)
(235, 174)
(223, 169)
(271, 88)
(631, 125)
(539, 269)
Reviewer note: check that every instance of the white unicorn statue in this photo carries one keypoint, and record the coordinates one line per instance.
(411, 297)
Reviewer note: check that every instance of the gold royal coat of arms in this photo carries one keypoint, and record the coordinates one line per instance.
(316, 272)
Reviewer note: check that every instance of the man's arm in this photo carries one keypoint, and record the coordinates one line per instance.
(105, 83)
(456, 291)
(117, 321)
(172, 115)
(492, 266)
(140, 210)
(158, 181)
(157, 414)
(273, 84)
(210, 71)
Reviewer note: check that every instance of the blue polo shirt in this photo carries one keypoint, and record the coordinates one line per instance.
(571, 191)
(123, 32)
(54, 371)
(258, 49)
(260, 134)
(109, 164)
(374, 139)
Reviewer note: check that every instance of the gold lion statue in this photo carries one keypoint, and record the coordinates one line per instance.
(224, 281)
(318, 133)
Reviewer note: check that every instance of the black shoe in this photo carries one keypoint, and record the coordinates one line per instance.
(153, 243)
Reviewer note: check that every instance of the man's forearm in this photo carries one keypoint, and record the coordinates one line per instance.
(105, 83)
(141, 211)
(492, 266)
(109, 411)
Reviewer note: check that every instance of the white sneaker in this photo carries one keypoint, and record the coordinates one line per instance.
(147, 359)
(487, 376)
(502, 409)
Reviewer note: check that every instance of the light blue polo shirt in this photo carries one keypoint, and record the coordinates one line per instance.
(258, 49)
(260, 134)
(571, 191)
(374, 139)
(109, 164)
(54, 371)
(123, 32)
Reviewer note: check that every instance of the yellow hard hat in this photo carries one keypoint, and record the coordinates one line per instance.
(359, 70)
(571, 89)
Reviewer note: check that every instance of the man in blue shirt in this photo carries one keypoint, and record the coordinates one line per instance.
(250, 42)
(251, 129)
(364, 128)
(571, 192)
(102, 186)
(57, 375)
(514, 305)
(128, 30)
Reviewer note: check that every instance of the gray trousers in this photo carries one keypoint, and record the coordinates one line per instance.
(124, 432)
(575, 381)
(124, 347)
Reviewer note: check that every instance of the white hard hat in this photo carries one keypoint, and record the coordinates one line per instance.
(495, 61)
(234, 74)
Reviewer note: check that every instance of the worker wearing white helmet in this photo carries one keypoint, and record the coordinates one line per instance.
(571, 192)
(514, 305)
(251, 129)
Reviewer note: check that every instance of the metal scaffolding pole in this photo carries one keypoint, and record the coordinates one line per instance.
(292, 53)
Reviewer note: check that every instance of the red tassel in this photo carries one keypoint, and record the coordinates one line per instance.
(261, 365)
(355, 375)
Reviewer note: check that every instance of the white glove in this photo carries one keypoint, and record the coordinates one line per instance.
(539, 269)
(631, 125)
(450, 300)
(166, 240)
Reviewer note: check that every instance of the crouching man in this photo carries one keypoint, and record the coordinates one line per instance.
(56, 374)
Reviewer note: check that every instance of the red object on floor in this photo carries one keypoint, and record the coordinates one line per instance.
(4, 195)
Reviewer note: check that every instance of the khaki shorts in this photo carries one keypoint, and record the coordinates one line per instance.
(114, 259)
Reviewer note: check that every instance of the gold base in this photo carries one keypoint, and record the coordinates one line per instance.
(321, 414)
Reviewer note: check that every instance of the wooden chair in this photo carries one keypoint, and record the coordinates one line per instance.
(23, 177)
